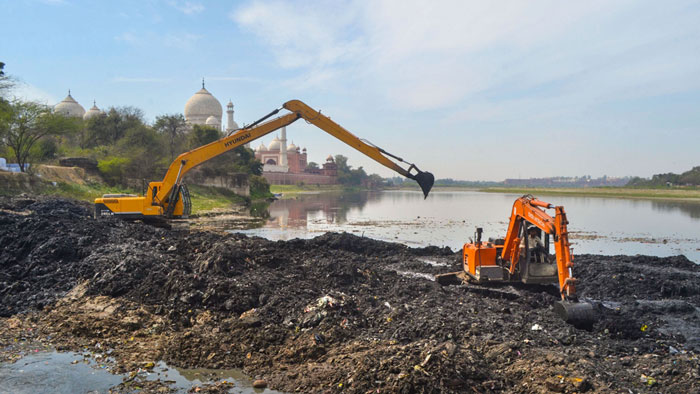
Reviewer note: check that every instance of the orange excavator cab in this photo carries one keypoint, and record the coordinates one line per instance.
(522, 256)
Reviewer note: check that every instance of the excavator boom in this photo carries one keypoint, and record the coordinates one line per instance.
(167, 198)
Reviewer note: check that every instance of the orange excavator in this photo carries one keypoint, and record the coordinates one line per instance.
(514, 259)
(170, 198)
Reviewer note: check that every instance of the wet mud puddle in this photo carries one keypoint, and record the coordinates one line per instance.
(72, 373)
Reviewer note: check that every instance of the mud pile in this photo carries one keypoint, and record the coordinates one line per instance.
(338, 312)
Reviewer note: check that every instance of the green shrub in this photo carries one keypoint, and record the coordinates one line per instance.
(259, 188)
(113, 169)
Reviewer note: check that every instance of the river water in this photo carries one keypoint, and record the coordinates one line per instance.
(54, 372)
(609, 226)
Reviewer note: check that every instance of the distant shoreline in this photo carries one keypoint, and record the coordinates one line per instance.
(607, 192)
(692, 195)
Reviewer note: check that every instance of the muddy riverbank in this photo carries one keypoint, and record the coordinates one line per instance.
(334, 313)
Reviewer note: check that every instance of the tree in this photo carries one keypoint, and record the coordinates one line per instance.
(26, 123)
(202, 135)
(312, 165)
(143, 147)
(107, 130)
(342, 163)
(346, 174)
(173, 127)
(6, 82)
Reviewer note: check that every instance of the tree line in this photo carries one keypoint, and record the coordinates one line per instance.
(688, 178)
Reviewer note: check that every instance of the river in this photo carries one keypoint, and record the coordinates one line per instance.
(609, 226)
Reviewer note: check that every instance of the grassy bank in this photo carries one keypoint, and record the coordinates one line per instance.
(611, 192)
(204, 198)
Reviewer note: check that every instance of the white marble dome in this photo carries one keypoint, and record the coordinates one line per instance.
(201, 106)
(261, 148)
(92, 112)
(274, 144)
(212, 121)
(69, 107)
(292, 147)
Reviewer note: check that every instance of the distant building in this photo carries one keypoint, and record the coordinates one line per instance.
(205, 110)
(287, 165)
(71, 108)
(584, 181)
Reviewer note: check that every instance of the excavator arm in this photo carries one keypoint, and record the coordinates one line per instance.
(161, 197)
(527, 208)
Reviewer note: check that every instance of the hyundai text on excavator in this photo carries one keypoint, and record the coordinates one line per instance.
(170, 198)
(512, 259)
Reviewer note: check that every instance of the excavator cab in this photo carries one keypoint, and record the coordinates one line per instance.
(537, 266)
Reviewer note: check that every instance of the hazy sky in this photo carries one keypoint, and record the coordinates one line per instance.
(481, 90)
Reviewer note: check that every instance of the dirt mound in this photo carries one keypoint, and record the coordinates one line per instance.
(72, 175)
(344, 312)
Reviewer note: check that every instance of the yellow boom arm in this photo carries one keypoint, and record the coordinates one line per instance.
(161, 196)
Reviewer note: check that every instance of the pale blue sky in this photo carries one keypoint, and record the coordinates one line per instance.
(466, 89)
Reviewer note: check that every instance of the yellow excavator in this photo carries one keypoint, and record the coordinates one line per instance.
(170, 198)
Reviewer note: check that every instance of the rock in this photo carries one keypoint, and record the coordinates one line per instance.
(555, 386)
(582, 385)
(259, 384)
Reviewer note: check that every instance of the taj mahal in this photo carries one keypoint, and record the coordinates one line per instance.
(282, 163)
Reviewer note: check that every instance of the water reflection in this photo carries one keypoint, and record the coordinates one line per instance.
(70, 372)
(689, 207)
(598, 225)
(329, 207)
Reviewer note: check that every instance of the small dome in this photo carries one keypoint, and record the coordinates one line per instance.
(329, 158)
(304, 150)
(201, 106)
(275, 144)
(261, 148)
(212, 121)
(92, 112)
(292, 147)
(70, 107)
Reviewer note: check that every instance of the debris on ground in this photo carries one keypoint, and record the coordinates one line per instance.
(337, 312)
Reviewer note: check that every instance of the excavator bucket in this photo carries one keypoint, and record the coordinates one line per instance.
(580, 314)
(425, 181)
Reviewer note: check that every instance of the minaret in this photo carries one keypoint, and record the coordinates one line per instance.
(283, 148)
(229, 112)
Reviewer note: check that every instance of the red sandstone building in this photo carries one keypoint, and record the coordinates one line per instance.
(287, 165)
